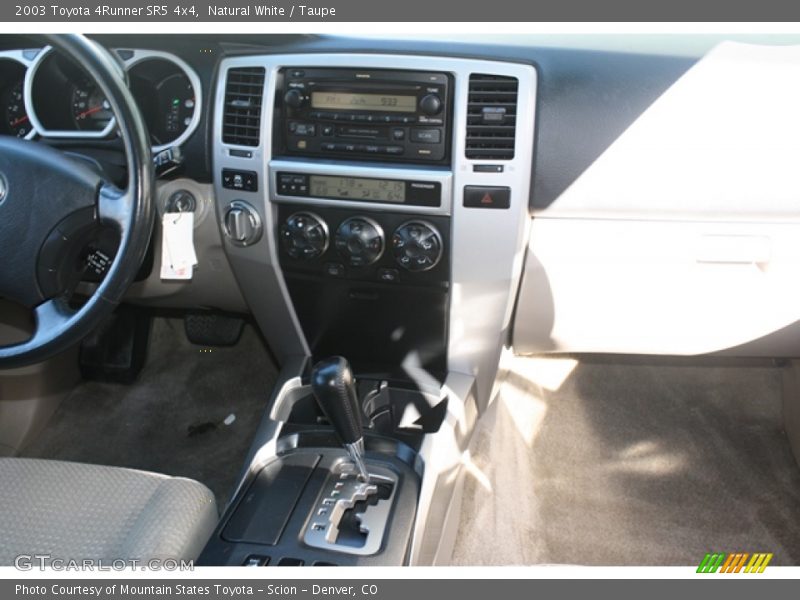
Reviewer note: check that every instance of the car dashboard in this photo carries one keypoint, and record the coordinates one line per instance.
(419, 207)
(492, 153)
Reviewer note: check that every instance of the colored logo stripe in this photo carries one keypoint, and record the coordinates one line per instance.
(734, 562)
(758, 563)
(711, 562)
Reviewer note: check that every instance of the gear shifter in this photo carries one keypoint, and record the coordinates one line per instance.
(334, 388)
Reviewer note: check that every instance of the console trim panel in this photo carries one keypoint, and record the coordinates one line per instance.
(340, 492)
(485, 274)
(487, 249)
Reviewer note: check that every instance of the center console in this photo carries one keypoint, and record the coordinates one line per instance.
(373, 207)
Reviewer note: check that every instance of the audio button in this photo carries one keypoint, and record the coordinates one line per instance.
(426, 136)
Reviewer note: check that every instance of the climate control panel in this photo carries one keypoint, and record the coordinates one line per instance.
(417, 246)
(304, 236)
(360, 241)
(375, 246)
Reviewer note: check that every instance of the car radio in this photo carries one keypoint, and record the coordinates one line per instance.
(385, 115)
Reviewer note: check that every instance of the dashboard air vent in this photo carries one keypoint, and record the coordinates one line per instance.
(491, 117)
(244, 93)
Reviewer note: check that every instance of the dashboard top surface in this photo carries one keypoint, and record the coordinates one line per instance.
(590, 89)
(588, 86)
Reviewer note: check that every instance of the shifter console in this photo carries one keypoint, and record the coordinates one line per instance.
(353, 508)
(351, 516)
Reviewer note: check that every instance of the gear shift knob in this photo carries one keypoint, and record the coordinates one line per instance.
(334, 388)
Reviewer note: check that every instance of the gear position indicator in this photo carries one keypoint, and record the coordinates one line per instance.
(351, 516)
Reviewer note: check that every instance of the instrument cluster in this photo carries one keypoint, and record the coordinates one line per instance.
(43, 93)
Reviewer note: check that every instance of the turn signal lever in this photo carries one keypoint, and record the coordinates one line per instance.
(167, 161)
(334, 388)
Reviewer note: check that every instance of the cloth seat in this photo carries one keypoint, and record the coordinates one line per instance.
(73, 511)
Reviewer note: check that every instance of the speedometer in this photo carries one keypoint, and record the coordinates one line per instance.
(90, 110)
(15, 115)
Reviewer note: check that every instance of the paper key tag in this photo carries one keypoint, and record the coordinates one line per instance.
(178, 257)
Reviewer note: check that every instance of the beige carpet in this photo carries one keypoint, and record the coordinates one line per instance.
(171, 420)
(630, 462)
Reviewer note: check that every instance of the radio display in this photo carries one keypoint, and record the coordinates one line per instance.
(353, 188)
(382, 102)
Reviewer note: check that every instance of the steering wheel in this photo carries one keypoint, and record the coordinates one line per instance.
(47, 199)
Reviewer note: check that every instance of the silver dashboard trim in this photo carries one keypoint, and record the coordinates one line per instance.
(340, 492)
(19, 57)
(140, 56)
(256, 268)
(55, 133)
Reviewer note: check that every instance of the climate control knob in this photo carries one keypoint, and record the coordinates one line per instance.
(417, 246)
(304, 236)
(360, 240)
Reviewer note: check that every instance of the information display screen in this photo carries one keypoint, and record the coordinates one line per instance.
(353, 188)
(381, 102)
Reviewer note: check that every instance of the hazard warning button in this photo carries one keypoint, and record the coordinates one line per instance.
(479, 196)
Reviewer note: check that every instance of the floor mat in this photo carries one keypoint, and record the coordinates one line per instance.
(172, 419)
(613, 463)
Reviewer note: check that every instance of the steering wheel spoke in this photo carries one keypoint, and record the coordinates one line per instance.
(115, 206)
(52, 316)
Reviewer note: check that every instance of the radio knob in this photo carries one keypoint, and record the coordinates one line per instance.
(430, 104)
(360, 240)
(417, 246)
(304, 236)
(294, 98)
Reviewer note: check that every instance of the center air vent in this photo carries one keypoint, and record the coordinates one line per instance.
(491, 117)
(244, 92)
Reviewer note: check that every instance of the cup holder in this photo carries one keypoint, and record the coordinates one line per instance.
(390, 409)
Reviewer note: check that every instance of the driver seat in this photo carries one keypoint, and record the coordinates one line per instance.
(74, 511)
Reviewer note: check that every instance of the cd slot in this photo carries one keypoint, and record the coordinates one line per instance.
(369, 133)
